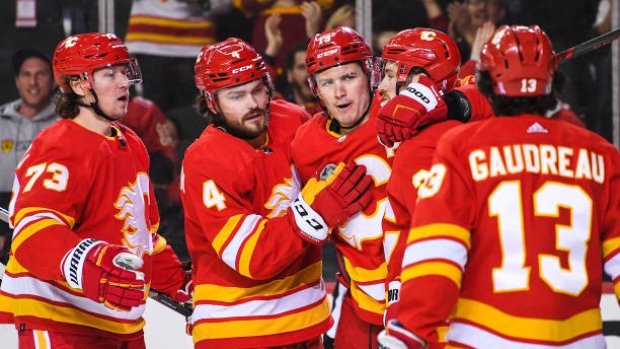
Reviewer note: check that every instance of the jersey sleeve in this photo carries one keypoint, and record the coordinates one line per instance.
(47, 194)
(610, 225)
(437, 247)
(254, 245)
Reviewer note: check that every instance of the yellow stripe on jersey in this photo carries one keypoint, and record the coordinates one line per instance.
(609, 246)
(446, 270)
(41, 339)
(248, 250)
(170, 39)
(169, 23)
(529, 328)
(31, 229)
(71, 315)
(362, 274)
(6, 304)
(26, 211)
(225, 233)
(237, 328)
(229, 294)
(440, 230)
(366, 302)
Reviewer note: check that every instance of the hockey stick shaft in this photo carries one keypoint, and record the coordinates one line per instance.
(4, 214)
(590, 45)
(181, 308)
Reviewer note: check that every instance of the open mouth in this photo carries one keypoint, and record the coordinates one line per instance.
(343, 106)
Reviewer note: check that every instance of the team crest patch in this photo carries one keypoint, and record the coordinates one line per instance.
(7, 145)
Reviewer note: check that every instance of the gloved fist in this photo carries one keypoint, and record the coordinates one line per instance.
(324, 204)
(105, 273)
(394, 336)
(186, 292)
(171, 277)
(419, 104)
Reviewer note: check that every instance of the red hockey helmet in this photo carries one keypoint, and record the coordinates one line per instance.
(336, 47)
(81, 54)
(427, 48)
(228, 63)
(520, 61)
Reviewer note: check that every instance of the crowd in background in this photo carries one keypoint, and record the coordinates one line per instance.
(166, 37)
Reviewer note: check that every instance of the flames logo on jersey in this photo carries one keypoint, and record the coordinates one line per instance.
(282, 195)
(131, 203)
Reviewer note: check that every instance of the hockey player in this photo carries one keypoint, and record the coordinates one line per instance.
(85, 250)
(254, 237)
(419, 63)
(516, 221)
(342, 73)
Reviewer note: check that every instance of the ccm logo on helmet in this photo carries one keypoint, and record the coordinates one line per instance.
(242, 69)
(418, 94)
(327, 53)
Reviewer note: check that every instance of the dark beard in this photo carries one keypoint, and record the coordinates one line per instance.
(246, 134)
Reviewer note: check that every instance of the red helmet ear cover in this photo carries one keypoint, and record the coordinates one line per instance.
(81, 54)
(431, 49)
(336, 47)
(520, 61)
(225, 64)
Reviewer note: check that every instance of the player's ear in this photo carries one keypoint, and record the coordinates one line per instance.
(77, 87)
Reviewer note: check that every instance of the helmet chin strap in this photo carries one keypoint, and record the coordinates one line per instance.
(95, 107)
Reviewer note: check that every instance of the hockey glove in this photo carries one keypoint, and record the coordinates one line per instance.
(105, 273)
(171, 277)
(395, 336)
(418, 105)
(324, 204)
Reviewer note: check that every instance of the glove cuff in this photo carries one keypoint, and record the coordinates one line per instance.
(311, 225)
(421, 94)
(394, 336)
(73, 263)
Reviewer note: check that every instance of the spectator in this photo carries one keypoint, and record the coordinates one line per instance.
(392, 16)
(465, 19)
(40, 29)
(301, 20)
(296, 89)
(21, 120)
(344, 16)
(166, 36)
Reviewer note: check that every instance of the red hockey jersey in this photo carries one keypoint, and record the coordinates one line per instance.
(510, 235)
(74, 184)
(360, 239)
(412, 163)
(149, 123)
(258, 284)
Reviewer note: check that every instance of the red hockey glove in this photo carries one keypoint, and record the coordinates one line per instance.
(419, 104)
(395, 336)
(105, 273)
(324, 204)
(171, 277)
